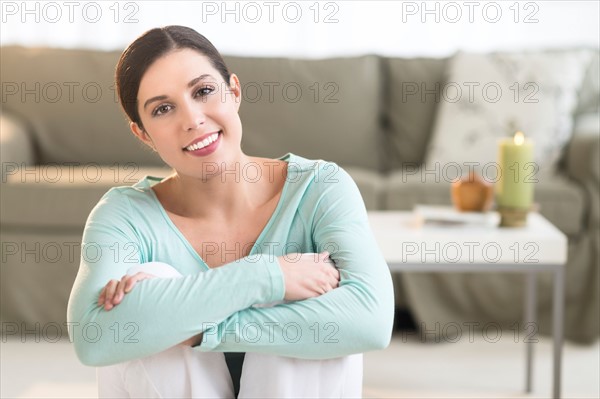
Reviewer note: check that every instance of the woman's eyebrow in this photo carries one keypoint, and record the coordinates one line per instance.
(199, 78)
(157, 98)
(190, 84)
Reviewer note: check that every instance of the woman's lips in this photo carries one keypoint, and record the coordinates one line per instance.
(209, 149)
(202, 138)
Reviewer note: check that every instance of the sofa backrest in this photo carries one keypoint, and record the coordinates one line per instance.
(68, 100)
(589, 95)
(322, 109)
(370, 111)
(411, 96)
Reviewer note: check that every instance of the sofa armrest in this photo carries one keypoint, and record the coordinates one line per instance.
(16, 145)
(583, 160)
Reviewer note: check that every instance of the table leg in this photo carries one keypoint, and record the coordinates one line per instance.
(530, 320)
(557, 328)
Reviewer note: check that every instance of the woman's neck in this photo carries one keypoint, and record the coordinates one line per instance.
(224, 197)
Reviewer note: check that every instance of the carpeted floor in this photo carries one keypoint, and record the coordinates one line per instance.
(408, 368)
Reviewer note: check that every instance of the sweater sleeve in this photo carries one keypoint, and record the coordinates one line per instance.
(355, 317)
(158, 313)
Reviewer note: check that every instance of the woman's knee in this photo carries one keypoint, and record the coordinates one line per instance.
(158, 269)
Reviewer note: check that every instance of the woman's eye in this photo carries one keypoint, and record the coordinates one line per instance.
(204, 91)
(160, 110)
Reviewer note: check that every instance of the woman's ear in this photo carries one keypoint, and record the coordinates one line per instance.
(235, 88)
(141, 134)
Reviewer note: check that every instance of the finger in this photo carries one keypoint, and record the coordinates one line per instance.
(119, 290)
(110, 292)
(101, 296)
(111, 286)
(134, 279)
(331, 269)
(313, 294)
(334, 282)
(328, 261)
(328, 287)
(332, 272)
(333, 276)
(324, 285)
(307, 289)
(320, 290)
(126, 285)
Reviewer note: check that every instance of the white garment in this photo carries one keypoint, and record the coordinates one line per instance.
(269, 376)
(178, 372)
(182, 372)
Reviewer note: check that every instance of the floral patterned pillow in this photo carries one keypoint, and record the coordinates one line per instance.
(487, 97)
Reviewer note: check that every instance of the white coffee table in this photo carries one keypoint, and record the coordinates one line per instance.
(538, 247)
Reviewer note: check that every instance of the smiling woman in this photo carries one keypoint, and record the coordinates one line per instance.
(206, 265)
(201, 107)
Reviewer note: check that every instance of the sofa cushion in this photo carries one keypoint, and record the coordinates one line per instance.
(564, 203)
(37, 272)
(61, 196)
(16, 146)
(68, 98)
(491, 96)
(319, 109)
(411, 96)
(560, 200)
(589, 95)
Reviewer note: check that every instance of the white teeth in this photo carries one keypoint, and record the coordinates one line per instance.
(209, 140)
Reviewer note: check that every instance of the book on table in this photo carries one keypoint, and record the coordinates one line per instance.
(447, 215)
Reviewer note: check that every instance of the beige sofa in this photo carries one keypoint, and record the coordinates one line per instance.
(65, 142)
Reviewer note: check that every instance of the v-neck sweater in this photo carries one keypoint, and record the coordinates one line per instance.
(239, 306)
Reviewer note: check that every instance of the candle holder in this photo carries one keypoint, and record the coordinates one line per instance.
(514, 217)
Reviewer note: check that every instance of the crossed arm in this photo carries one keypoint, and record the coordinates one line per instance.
(159, 313)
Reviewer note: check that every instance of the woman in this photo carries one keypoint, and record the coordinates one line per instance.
(219, 252)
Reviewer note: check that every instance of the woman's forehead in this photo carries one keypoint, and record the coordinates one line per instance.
(178, 69)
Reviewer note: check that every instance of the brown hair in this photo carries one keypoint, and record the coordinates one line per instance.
(150, 46)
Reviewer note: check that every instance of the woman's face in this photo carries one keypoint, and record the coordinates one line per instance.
(182, 99)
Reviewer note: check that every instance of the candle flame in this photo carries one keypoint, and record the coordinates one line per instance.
(519, 138)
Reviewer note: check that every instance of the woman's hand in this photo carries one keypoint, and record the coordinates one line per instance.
(113, 292)
(308, 275)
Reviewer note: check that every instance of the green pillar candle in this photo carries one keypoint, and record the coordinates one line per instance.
(514, 189)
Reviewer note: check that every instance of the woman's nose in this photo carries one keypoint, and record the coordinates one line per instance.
(193, 117)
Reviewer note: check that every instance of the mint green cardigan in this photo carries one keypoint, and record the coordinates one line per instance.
(320, 209)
